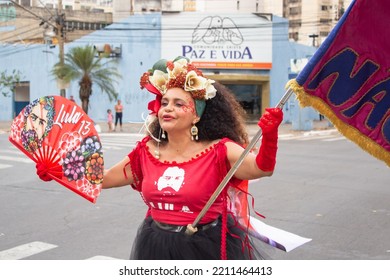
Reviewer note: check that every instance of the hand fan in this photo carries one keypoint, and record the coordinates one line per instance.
(60, 137)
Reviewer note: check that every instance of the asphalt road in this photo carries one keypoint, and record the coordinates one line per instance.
(324, 188)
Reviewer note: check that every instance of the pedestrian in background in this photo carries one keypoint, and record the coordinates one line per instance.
(118, 114)
(110, 118)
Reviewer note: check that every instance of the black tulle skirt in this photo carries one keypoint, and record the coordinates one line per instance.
(154, 243)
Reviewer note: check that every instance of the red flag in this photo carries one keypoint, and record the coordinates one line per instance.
(348, 78)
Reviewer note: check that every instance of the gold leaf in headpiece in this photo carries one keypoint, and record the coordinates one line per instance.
(159, 80)
(178, 67)
(194, 82)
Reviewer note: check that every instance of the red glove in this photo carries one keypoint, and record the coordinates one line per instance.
(42, 172)
(269, 123)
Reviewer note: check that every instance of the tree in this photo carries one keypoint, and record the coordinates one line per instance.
(8, 82)
(83, 64)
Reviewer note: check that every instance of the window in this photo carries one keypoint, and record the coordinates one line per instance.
(25, 3)
(295, 11)
(293, 35)
(325, 20)
(324, 33)
(295, 23)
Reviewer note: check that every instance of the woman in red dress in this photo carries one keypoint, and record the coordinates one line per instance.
(197, 134)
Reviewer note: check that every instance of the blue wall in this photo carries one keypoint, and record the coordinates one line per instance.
(301, 118)
(34, 62)
(280, 61)
(140, 39)
(282, 52)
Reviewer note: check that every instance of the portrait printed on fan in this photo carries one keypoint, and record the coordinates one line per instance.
(38, 121)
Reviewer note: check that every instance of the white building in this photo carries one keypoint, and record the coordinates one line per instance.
(102, 5)
(310, 21)
(124, 8)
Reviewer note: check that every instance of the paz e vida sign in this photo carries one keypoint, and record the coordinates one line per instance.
(219, 42)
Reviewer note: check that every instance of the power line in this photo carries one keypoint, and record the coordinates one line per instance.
(34, 14)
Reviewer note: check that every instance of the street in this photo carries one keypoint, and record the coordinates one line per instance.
(324, 187)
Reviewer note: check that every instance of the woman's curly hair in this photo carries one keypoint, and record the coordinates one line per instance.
(223, 117)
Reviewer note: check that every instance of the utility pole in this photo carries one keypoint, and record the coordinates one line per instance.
(60, 32)
(314, 36)
(59, 28)
(132, 3)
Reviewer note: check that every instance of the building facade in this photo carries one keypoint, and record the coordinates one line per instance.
(310, 21)
(249, 53)
(84, 5)
(26, 25)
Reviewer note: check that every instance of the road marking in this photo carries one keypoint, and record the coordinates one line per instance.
(12, 152)
(289, 136)
(3, 166)
(320, 132)
(116, 144)
(102, 258)
(121, 134)
(315, 137)
(335, 139)
(24, 160)
(26, 250)
(36, 247)
(106, 148)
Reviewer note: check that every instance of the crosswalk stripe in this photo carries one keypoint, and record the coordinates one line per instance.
(311, 137)
(335, 139)
(12, 152)
(289, 137)
(114, 147)
(320, 132)
(36, 247)
(26, 250)
(115, 144)
(18, 159)
(317, 137)
(120, 135)
(3, 166)
(102, 258)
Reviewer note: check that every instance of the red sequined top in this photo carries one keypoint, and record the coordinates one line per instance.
(177, 191)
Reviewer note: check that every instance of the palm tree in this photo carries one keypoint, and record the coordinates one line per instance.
(82, 64)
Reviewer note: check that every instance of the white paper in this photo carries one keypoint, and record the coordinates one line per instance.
(278, 238)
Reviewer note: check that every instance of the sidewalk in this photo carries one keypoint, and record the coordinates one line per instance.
(138, 127)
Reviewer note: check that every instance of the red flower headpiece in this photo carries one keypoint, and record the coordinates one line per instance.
(179, 73)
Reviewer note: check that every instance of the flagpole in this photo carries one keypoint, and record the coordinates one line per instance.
(191, 228)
